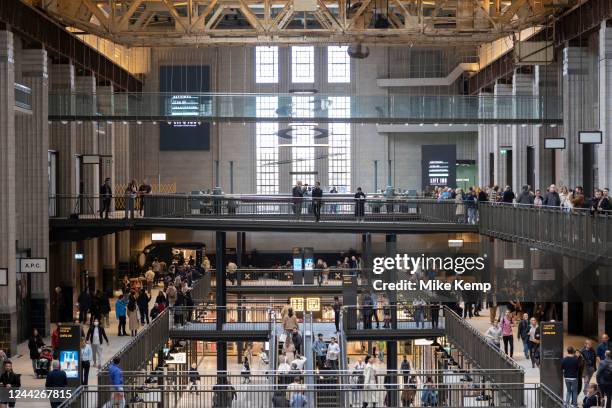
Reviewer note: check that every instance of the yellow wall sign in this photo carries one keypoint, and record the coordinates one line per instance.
(313, 304)
(297, 304)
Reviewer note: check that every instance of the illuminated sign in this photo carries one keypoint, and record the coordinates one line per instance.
(69, 363)
(313, 304)
(297, 304)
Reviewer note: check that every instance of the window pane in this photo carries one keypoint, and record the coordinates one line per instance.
(302, 64)
(338, 65)
(266, 151)
(266, 65)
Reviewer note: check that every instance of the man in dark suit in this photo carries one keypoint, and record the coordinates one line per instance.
(106, 195)
(56, 379)
(317, 202)
(297, 193)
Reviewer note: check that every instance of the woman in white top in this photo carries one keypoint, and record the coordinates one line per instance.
(86, 356)
(494, 334)
(564, 195)
(370, 385)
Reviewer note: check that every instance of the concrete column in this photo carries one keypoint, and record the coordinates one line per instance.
(32, 147)
(8, 326)
(63, 140)
(485, 139)
(575, 111)
(87, 144)
(522, 88)
(604, 151)
(546, 85)
(106, 145)
(502, 135)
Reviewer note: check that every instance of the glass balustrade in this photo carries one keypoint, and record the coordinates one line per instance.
(365, 109)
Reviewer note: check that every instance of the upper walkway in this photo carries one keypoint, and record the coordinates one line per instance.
(239, 107)
(577, 233)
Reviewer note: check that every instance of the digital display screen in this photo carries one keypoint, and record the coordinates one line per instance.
(439, 165)
(297, 264)
(308, 264)
(180, 87)
(69, 363)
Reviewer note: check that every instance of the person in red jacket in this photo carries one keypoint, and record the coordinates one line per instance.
(55, 342)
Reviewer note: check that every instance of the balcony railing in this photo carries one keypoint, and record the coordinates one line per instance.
(225, 393)
(280, 208)
(357, 109)
(577, 232)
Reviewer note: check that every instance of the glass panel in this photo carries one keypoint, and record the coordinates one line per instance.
(338, 65)
(266, 65)
(302, 64)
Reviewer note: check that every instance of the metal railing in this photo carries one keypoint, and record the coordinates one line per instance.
(397, 209)
(225, 393)
(481, 352)
(577, 232)
(213, 318)
(407, 317)
(285, 277)
(138, 352)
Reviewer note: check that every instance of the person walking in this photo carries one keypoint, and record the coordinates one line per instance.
(56, 378)
(494, 334)
(115, 375)
(508, 195)
(534, 342)
(290, 322)
(507, 335)
(523, 334)
(590, 364)
(105, 308)
(337, 306)
(84, 304)
(132, 313)
(317, 200)
(86, 357)
(360, 198)
(405, 370)
(525, 198)
(96, 335)
(370, 385)
(604, 377)
(106, 195)
(121, 314)
(570, 367)
(143, 306)
(35, 343)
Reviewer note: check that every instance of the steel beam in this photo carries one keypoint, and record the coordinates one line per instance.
(36, 26)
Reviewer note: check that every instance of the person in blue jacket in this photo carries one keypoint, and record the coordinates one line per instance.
(115, 376)
(121, 313)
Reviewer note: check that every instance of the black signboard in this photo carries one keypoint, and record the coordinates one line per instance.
(551, 353)
(69, 352)
(439, 165)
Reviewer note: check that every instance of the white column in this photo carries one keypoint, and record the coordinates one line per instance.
(546, 87)
(485, 139)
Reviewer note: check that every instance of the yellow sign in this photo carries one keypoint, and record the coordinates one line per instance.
(313, 304)
(297, 304)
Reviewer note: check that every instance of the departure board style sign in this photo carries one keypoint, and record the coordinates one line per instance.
(438, 165)
(551, 353)
(69, 351)
(181, 88)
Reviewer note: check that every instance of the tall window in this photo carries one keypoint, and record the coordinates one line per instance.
(339, 152)
(302, 64)
(338, 65)
(266, 65)
(267, 146)
(302, 149)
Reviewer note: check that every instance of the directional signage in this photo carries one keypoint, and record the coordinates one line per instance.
(33, 265)
(514, 264)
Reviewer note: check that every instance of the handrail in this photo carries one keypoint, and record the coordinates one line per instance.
(480, 351)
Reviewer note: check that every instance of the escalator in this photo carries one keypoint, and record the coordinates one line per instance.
(328, 382)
